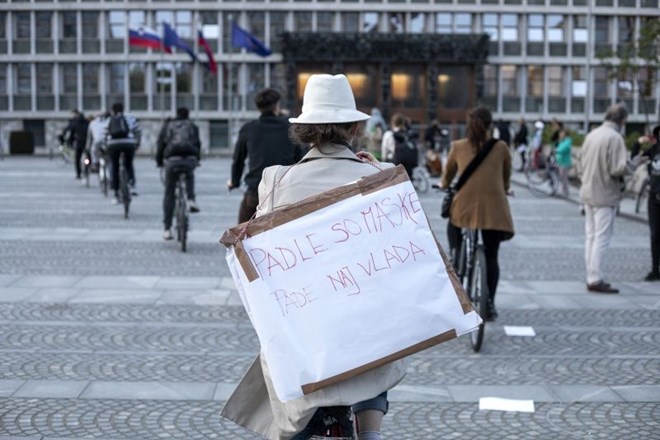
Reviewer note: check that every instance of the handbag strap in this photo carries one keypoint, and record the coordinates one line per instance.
(474, 164)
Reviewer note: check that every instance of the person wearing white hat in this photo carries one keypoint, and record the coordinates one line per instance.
(328, 124)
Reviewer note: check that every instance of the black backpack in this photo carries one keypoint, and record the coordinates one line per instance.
(405, 150)
(181, 138)
(118, 127)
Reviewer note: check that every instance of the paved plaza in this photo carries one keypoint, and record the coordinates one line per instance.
(107, 331)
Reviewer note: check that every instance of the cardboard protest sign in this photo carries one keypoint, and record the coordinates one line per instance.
(344, 282)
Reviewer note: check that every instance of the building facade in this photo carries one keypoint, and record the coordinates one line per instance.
(542, 59)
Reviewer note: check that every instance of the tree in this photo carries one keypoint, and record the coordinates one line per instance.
(636, 64)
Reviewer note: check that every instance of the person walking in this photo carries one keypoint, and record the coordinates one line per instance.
(564, 160)
(329, 124)
(481, 203)
(96, 138)
(652, 156)
(122, 136)
(603, 164)
(520, 142)
(373, 131)
(263, 142)
(76, 134)
(179, 147)
(398, 145)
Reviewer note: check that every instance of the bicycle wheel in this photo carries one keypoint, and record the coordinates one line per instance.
(103, 178)
(640, 200)
(182, 217)
(67, 153)
(478, 293)
(125, 192)
(421, 180)
(85, 169)
(541, 182)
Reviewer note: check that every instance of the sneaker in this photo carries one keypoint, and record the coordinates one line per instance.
(652, 276)
(193, 206)
(115, 200)
(167, 234)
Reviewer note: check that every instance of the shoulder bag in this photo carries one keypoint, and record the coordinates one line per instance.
(446, 202)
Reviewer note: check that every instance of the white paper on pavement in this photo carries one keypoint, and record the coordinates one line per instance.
(512, 330)
(499, 404)
(363, 272)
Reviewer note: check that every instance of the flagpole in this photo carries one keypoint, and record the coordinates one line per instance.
(232, 121)
(161, 85)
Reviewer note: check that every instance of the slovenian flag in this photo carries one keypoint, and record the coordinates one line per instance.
(171, 39)
(210, 63)
(242, 38)
(144, 37)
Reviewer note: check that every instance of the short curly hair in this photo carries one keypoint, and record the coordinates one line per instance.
(267, 99)
(320, 134)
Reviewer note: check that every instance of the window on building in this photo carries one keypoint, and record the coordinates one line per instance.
(22, 100)
(183, 23)
(4, 98)
(256, 23)
(370, 22)
(69, 25)
(417, 22)
(443, 23)
(184, 96)
(601, 85)
(91, 86)
(208, 98)
(510, 27)
(3, 25)
(44, 32)
(556, 89)
(535, 28)
(626, 31)
(580, 33)
(578, 89)
(45, 97)
(602, 34)
(646, 95)
(397, 22)
(490, 86)
(324, 21)
(137, 86)
(408, 86)
(463, 23)
(22, 25)
(90, 32)
(302, 21)
(277, 26)
(490, 26)
(116, 32)
(116, 74)
(210, 29)
(69, 78)
(510, 88)
(534, 89)
(350, 21)
(256, 81)
(556, 27)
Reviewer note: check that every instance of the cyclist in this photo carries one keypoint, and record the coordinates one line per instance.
(122, 135)
(482, 201)
(96, 137)
(76, 134)
(178, 147)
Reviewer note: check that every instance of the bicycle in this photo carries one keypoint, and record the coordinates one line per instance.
(64, 152)
(85, 166)
(542, 175)
(181, 208)
(421, 179)
(103, 174)
(470, 264)
(124, 190)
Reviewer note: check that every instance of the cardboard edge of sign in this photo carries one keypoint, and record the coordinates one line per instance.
(420, 346)
(366, 185)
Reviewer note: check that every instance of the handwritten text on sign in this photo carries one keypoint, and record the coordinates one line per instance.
(341, 253)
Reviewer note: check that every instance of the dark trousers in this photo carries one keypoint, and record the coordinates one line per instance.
(80, 149)
(172, 169)
(491, 240)
(248, 205)
(654, 224)
(113, 152)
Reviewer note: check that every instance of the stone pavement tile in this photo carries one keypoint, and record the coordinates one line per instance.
(227, 283)
(551, 301)
(235, 299)
(472, 393)
(46, 281)
(584, 393)
(63, 389)
(410, 393)
(6, 280)
(558, 287)
(2, 437)
(8, 387)
(19, 233)
(188, 283)
(53, 295)
(642, 287)
(589, 300)
(547, 242)
(150, 390)
(16, 294)
(117, 296)
(197, 297)
(223, 391)
(651, 302)
(514, 287)
(521, 302)
(115, 282)
(639, 393)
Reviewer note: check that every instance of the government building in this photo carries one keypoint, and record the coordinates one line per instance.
(430, 59)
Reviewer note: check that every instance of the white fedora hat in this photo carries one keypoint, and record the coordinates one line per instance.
(328, 99)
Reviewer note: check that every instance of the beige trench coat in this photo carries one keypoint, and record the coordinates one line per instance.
(254, 404)
(482, 201)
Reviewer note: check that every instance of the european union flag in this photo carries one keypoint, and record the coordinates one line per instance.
(242, 38)
(171, 39)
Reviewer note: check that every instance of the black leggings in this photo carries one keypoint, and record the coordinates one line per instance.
(654, 224)
(491, 239)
